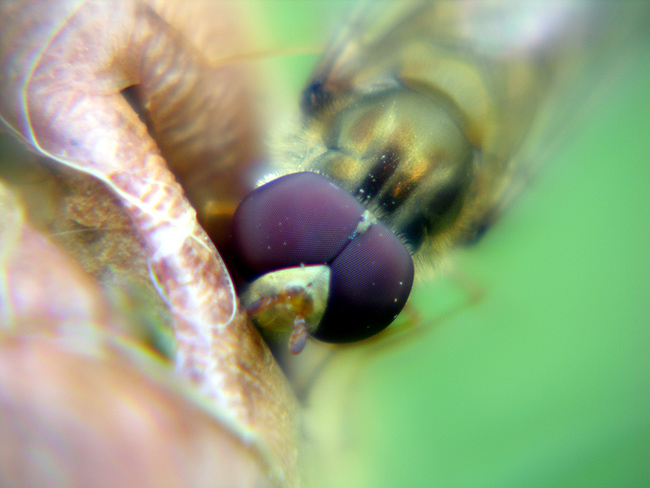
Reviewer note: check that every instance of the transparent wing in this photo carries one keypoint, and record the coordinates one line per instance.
(507, 74)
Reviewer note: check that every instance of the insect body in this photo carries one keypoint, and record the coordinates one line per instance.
(409, 142)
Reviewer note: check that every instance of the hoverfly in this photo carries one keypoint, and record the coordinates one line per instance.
(411, 140)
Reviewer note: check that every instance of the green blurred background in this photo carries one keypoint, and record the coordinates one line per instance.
(543, 382)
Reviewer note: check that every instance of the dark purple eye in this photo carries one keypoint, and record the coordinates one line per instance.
(371, 281)
(305, 219)
(302, 218)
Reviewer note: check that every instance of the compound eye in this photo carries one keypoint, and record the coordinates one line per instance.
(305, 219)
(370, 284)
(301, 218)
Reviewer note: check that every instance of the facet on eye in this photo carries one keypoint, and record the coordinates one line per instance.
(296, 219)
(371, 282)
(287, 230)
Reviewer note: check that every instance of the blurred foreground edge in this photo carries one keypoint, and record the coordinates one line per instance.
(83, 399)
